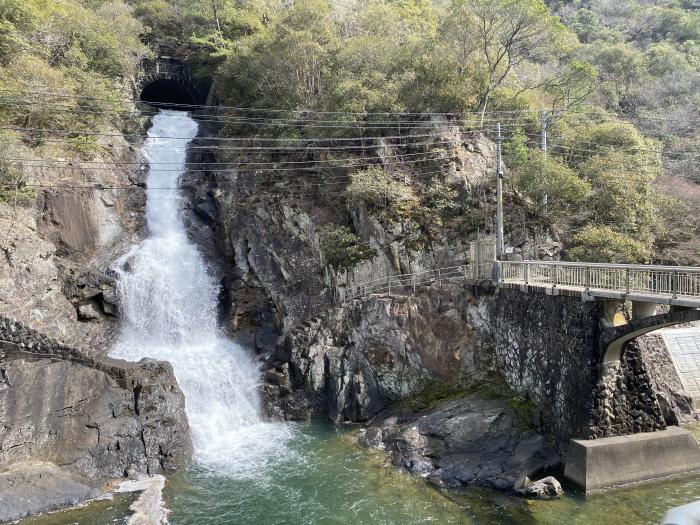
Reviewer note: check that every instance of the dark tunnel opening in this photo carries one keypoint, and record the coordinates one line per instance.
(167, 94)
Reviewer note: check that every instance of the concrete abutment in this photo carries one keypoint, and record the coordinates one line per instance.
(603, 463)
(551, 348)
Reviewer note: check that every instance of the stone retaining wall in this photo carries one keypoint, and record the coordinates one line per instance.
(547, 348)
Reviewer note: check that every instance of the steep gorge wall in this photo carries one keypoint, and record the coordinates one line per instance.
(349, 361)
(540, 351)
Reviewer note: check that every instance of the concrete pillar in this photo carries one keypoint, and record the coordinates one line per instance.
(642, 309)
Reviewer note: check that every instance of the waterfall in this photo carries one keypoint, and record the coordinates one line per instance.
(168, 305)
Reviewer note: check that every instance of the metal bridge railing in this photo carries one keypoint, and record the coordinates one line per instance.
(672, 281)
(411, 281)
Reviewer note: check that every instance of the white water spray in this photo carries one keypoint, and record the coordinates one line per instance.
(169, 310)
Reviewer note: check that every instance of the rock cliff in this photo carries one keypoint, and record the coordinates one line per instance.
(57, 250)
(93, 418)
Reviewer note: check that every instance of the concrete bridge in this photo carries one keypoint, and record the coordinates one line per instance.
(647, 287)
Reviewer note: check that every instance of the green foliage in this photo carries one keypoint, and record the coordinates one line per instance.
(13, 189)
(437, 210)
(84, 145)
(342, 249)
(53, 52)
(380, 192)
(604, 244)
(548, 183)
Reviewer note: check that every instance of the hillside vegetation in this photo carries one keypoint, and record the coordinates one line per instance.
(64, 67)
(619, 81)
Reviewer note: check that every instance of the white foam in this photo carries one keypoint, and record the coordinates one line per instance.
(168, 305)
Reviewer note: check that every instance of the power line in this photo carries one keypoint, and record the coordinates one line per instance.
(253, 166)
(269, 110)
(289, 148)
(225, 139)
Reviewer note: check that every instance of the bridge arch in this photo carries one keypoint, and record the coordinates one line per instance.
(167, 82)
(613, 339)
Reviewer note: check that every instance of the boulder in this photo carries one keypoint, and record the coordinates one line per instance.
(465, 441)
(31, 487)
(545, 488)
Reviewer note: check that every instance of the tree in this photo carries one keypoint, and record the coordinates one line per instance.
(289, 64)
(538, 177)
(602, 244)
(502, 34)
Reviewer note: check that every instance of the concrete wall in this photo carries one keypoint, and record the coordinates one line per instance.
(607, 462)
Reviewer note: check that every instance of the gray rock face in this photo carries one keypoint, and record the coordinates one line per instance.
(55, 250)
(464, 441)
(34, 487)
(354, 362)
(99, 419)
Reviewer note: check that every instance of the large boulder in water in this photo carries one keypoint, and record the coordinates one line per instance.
(464, 441)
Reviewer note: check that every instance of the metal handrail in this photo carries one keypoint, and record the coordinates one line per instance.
(409, 280)
(675, 281)
(410, 274)
(608, 265)
(679, 282)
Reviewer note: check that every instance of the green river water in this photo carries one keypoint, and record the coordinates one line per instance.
(325, 479)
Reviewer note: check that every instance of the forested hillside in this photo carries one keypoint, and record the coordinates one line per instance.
(64, 70)
(619, 82)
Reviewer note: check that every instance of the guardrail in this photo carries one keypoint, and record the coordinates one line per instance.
(410, 281)
(672, 281)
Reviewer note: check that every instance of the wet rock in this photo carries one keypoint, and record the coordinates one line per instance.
(32, 487)
(545, 488)
(99, 418)
(465, 441)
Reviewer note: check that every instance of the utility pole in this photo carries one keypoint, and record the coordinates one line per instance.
(543, 147)
(543, 130)
(500, 247)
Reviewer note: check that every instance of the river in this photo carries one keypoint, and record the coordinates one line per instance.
(247, 471)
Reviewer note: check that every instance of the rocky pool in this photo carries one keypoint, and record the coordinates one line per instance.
(325, 478)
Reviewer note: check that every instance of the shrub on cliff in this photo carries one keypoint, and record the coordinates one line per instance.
(13, 188)
(342, 249)
(381, 193)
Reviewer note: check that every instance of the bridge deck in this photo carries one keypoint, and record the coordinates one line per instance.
(674, 285)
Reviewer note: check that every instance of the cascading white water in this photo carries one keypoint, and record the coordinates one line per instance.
(169, 311)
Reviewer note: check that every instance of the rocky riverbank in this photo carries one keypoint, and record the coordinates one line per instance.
(72, 422)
